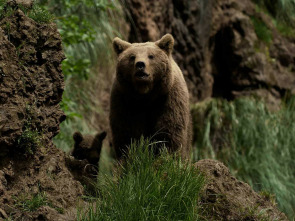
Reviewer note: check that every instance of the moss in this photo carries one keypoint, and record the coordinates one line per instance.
(262, 31)
(29, 141)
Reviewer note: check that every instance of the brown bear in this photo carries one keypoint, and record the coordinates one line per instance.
(149, 97)
(88, 147)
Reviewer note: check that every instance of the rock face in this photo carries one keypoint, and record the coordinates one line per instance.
(35, 183)
(226, 198)
(217, 47)
(31, 81)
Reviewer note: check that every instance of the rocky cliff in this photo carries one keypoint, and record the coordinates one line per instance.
(32, 169)
(218, 47)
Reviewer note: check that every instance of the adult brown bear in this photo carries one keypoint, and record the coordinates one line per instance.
(149, 96)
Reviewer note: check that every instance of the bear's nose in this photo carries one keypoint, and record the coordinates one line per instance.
(140, 65)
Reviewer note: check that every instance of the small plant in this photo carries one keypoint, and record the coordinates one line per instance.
(148, 188)
(35, 12)
(269, 196)
(39, 14)
(29, 141)
(262, 31)
(30, 204)
(253, 213)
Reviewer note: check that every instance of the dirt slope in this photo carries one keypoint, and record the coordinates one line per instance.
(226, 198)
(31, 86)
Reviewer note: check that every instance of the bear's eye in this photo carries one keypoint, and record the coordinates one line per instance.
(151, 56)
(132, 57)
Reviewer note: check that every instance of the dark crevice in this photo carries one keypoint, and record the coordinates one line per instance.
(225, 62)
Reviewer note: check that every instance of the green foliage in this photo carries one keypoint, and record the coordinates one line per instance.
(29, 141)
(256, 144)
(148, 188)
(282, 10)
(78, 67)
(2, 6)
(285, 29)
(87, 28)
(36, 13)
(262, 31)
(39, 14)
(31, 204)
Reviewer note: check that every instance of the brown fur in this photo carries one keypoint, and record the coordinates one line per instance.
(152, 100)
(88, 147)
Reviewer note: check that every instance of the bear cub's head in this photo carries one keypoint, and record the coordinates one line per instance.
(88, 147)
(144, 67)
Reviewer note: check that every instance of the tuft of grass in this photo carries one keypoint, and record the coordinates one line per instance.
(281, 10)
(256, 144)
(39, 14)
(148, 188)
(285, 29)
(29, 141)
(262, 31)
(282, 13)
(31, 204)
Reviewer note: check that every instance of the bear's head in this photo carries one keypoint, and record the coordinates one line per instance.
(144, 67)
(88, 147)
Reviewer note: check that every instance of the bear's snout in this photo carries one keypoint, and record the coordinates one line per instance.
(140, 65)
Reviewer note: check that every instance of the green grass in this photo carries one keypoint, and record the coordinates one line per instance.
(36, 13)
(39, 14)
(256, 144)
(282, 13)
(262, 31)
(31, 204)
(281, 10)
(148, 188)
(29, 141)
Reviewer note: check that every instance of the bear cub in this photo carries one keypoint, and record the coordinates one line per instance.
(149, 97)
(88, 147)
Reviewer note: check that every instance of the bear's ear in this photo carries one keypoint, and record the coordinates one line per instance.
(120, 45)
(102, 135)
(166, 43)
(78, 137)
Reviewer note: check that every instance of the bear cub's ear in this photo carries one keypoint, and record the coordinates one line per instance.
(101, 135)
(166, 43)
(120, 45)
(78, 137)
